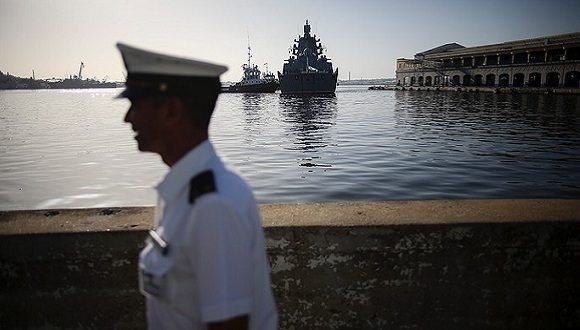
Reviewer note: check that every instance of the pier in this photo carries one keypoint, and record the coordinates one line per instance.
(551, 62)
(449, 264)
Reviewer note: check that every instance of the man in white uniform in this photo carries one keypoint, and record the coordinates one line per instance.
(205, 264)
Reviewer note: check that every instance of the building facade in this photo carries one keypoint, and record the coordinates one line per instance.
(552, 61)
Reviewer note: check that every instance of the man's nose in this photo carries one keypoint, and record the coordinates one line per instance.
(128, 116)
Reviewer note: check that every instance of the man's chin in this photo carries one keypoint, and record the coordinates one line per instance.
(144, 149)
(142, 146)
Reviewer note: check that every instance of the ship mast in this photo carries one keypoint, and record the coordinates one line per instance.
(249, 52)
(81, 70)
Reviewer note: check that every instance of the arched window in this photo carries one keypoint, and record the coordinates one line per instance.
(518, 80)
(456, 80)
(504, 80)
(413, 80)
(467, 80)
(421, 81)
(428, 81)
(535, 79)
(572, 79)
(478, 80)
(552, 79)
(490, 80)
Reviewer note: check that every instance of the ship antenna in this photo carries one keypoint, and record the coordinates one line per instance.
(249, 50)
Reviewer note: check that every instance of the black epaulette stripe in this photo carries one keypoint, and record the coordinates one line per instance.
(201, 184)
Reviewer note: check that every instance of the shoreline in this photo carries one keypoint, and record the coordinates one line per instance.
(484, 89)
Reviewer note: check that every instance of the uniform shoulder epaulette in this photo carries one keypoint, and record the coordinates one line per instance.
(201, 184)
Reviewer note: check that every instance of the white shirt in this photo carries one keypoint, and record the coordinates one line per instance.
(215, 265)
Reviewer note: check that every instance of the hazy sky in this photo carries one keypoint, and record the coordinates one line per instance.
(362, 37)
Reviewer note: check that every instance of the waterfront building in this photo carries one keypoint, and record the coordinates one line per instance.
(552, 61)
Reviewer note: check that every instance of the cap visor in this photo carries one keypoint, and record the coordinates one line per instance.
(129, 93)
(122, 95)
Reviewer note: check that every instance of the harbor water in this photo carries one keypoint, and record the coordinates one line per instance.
(71, 149)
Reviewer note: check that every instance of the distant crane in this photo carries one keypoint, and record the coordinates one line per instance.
(81, 70)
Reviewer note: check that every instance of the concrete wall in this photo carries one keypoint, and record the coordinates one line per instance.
(398, 265)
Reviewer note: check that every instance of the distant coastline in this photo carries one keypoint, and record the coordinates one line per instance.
(8, 81)
(377, 81)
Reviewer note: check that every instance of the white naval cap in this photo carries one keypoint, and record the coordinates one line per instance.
(153, 73)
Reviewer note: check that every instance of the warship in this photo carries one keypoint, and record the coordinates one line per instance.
(77, 82)
(253, 81)
(307, 70)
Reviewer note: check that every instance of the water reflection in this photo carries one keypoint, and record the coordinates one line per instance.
(382, 145)
(504, 140)
(253, 106)
(308, 120)
(489, 116)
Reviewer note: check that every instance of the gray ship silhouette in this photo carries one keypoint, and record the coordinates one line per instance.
(307, 70)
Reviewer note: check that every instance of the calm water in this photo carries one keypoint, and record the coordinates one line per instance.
(69, 149)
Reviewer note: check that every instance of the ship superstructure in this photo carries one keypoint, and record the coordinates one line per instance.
(307, 70)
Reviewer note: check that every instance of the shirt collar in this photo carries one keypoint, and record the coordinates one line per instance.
(183, 170)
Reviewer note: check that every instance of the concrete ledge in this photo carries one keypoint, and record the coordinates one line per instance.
(490, 264)
(316, 214)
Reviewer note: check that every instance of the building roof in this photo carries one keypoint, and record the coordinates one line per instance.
(440, 49)
(540, 43)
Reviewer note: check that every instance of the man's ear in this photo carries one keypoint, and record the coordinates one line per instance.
(174, 110)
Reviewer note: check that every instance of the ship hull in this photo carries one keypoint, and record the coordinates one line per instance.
(308, 83)
(71, 84)
(266, 87)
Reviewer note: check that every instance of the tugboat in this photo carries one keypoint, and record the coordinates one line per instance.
(307, 70)
(253, 80)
